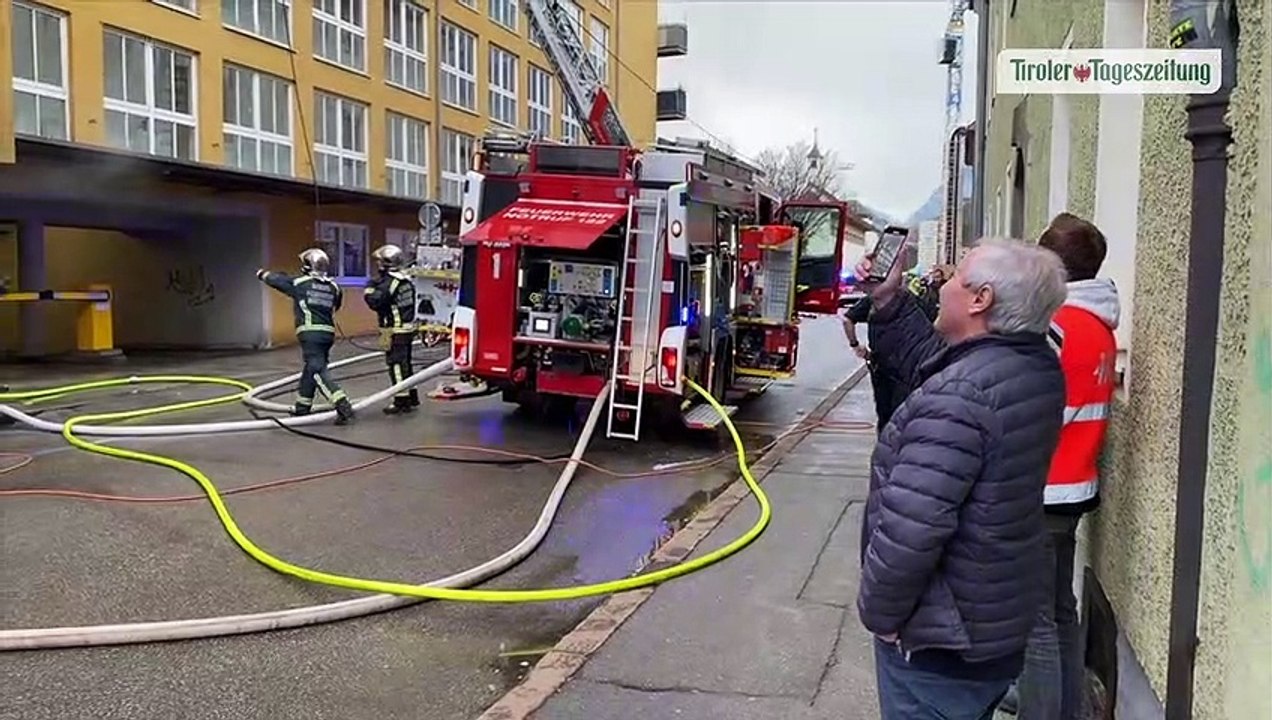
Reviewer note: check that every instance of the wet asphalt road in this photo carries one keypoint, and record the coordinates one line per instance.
(74, 562)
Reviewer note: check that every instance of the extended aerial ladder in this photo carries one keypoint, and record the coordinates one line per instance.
(635, 343)
(581, 81)
(956, 145)
(953, 171)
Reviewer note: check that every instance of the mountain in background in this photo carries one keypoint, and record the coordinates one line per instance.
(930, 209)
(935, 204)
(874, 216)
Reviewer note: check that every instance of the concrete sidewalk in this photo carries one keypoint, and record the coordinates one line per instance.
(769, 633)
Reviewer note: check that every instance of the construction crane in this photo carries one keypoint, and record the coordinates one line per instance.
(955, 133)
(581, 80)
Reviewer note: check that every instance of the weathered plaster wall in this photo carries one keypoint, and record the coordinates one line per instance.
(1133, 534)
(1036, 25)
(1234, 661)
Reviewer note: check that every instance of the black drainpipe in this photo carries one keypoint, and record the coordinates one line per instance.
(980, 131)
(1210, 136)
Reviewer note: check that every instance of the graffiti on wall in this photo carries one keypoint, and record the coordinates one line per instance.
(1254, 493)
(192, 282)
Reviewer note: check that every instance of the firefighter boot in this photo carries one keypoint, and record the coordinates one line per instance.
(399, 406)
(344, 412)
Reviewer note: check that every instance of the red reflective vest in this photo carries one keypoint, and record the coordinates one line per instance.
(1088, 353)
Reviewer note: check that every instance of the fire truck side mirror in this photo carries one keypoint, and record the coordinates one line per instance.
(678, 221)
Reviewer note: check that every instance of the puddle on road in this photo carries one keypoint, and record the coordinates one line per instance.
(515, 659)
(681, 515)
(512, 666)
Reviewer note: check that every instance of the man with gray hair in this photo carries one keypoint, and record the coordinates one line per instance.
(952, 540)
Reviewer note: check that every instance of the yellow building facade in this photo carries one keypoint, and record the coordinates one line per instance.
(246, 130)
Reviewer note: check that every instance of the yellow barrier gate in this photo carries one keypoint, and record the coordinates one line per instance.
(94, 329)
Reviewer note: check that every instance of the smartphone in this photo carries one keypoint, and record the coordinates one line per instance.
(887, 252)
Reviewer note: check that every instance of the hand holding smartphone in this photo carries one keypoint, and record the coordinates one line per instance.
(887, 253)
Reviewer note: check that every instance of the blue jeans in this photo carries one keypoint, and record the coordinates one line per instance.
(1051, 685)
(908, 693)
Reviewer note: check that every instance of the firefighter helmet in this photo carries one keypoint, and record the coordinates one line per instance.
(315, 262)
(388, 257)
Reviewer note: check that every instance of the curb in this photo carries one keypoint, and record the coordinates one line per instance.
(565, 658)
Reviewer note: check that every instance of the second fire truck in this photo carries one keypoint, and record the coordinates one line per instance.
(587, 266)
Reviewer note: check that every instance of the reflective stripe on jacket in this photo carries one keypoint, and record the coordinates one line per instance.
(315, 300)
(392, 297)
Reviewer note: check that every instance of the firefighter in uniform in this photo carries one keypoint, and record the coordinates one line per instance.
(315, 300)
(392, 296)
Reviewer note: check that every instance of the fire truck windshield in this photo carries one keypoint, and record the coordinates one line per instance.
(818, 230)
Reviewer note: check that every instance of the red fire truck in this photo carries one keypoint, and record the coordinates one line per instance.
(587, 266)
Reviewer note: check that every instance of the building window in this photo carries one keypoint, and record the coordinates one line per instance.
(459, 67)
(270, 19)
(457, 151)
(571, 130)
(600, 49)
(189, 6)
(149, 97)
(503, 87)
(40, 85)
(1019, 174)
(406, 45)
(340, 32)
(532, 33)
(469, 3)
(407, 160)
(504, 12)
(340, 141)
(998, 222)
(257, 134)
(347, 246)
(576, 17)
(540, 102)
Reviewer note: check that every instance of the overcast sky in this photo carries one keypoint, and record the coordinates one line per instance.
(763, 73)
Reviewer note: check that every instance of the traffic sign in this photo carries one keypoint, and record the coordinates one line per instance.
(430, 215)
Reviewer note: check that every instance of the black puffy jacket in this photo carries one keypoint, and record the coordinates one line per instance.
(953, 533)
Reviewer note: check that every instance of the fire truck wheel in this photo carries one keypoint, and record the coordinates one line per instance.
(560, 407)
(536, 406)
(666, 420)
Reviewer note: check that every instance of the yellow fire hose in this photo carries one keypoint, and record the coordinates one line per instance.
(368, 584)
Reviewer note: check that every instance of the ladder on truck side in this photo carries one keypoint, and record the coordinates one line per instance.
(634, 358)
